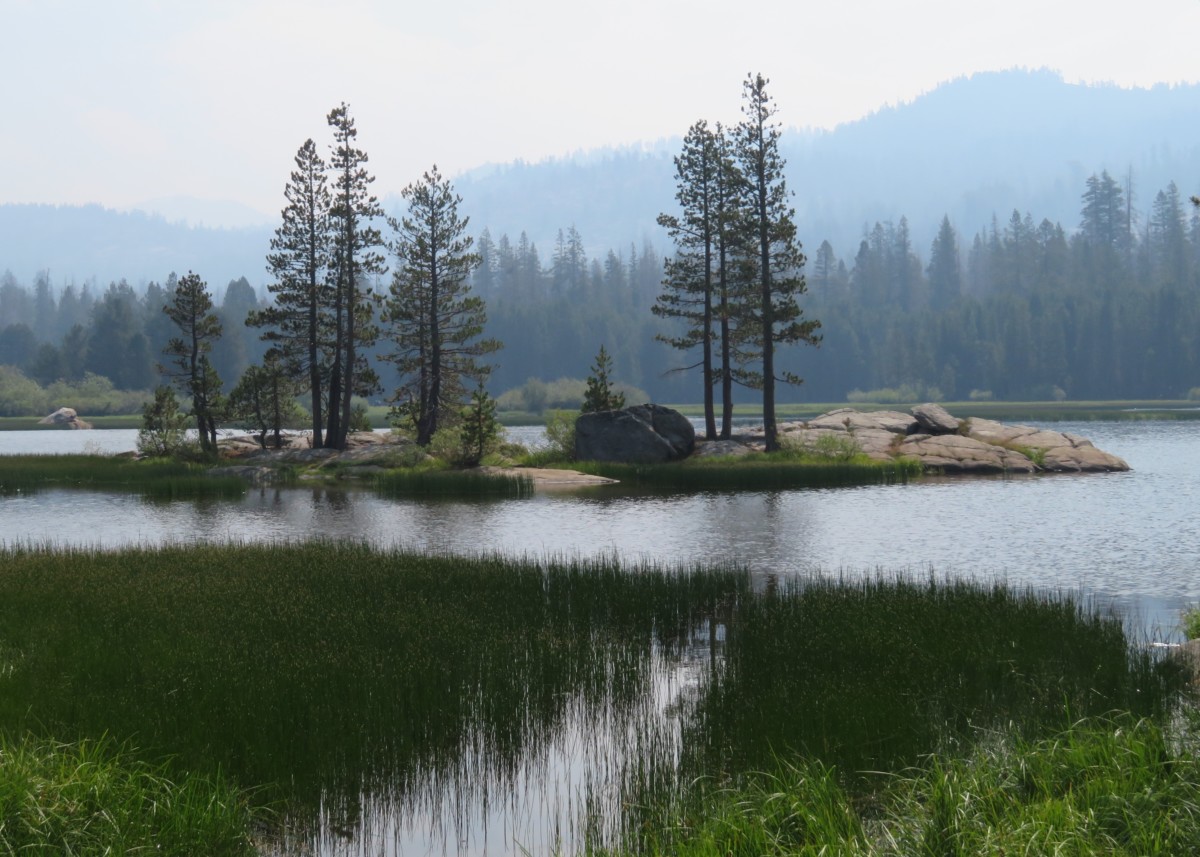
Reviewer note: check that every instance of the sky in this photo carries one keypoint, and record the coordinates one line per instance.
(130, 102)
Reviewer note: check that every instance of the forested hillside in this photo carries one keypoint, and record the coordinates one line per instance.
(1107, 306)
(1007, 236)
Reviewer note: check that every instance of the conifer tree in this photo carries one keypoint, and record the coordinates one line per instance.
(600, 395)
(300, 320)
(774, 314)
(434, 321)
(191, 309)
(353, 260)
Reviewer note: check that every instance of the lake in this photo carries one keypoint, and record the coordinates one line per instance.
(1130, 537)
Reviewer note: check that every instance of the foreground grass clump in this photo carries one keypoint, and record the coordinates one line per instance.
(451, 483)
(872, 674)
(92, 798)
(1110, 786)
(755, 472)
(158, 478)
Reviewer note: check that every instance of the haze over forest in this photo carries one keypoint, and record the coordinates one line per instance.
(974, 150)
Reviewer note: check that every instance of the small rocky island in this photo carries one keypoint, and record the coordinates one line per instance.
(654, 433)
(927, 433)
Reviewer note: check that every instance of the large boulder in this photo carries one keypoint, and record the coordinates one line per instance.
(934, 419)
(66, 417)
(641, 434)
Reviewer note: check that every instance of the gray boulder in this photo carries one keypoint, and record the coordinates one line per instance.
(641, 434)
(935, 419)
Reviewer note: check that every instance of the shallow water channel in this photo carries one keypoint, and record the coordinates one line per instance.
(1129, 539)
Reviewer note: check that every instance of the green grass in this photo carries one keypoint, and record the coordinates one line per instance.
(451, 483)
(1113, 786)
(1190, 622)
(323, 671)
(320, 673)
(157, 478)
(753, 472)
(91, 797)
(873, 673)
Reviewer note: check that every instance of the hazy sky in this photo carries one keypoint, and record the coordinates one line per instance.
(124, 101)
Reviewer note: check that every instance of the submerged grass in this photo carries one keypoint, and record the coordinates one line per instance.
(92, 797)
(451, 483)
(160, 478)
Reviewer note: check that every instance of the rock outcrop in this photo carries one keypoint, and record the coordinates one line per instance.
(65, 417)
(641, 434)
(945, 444)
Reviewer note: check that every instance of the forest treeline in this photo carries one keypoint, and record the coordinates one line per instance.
(1108, 307)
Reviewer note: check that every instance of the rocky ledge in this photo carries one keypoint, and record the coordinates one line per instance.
(942, 443)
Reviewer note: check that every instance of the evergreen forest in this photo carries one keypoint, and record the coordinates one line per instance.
(1026, 308)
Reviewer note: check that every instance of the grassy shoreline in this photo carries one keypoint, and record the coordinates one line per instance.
(314, 673)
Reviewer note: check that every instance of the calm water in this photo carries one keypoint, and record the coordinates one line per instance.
(1130, 536)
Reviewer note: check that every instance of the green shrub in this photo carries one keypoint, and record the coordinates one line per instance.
(164, 427)
(903, 395)
(560, 434)
(1190, 619)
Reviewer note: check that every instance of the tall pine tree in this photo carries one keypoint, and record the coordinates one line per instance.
(354, 259)
(774, 314)
(299, 321)
(434, 321)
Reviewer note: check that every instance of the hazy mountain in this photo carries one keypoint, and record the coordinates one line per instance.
(972, 148)
(78, 243)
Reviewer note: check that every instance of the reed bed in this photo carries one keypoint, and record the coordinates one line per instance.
(761, 473)
(452, 483)
(92, 797)
(870, 674)
(158, 478)
(325, 671)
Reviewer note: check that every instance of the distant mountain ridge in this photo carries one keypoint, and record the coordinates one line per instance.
(971, 148)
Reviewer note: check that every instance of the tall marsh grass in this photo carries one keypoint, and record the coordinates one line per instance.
(326, 671)
(871, 674)
(330, 674)
(159, 478)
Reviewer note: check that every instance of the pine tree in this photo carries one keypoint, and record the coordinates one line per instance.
(191, 309)
(300, 319)
(354, 258)
(945, 270)
(480, 429)
(688, 277)
(264, 399)
(434, 322)
(600, 395)
(775, 314)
